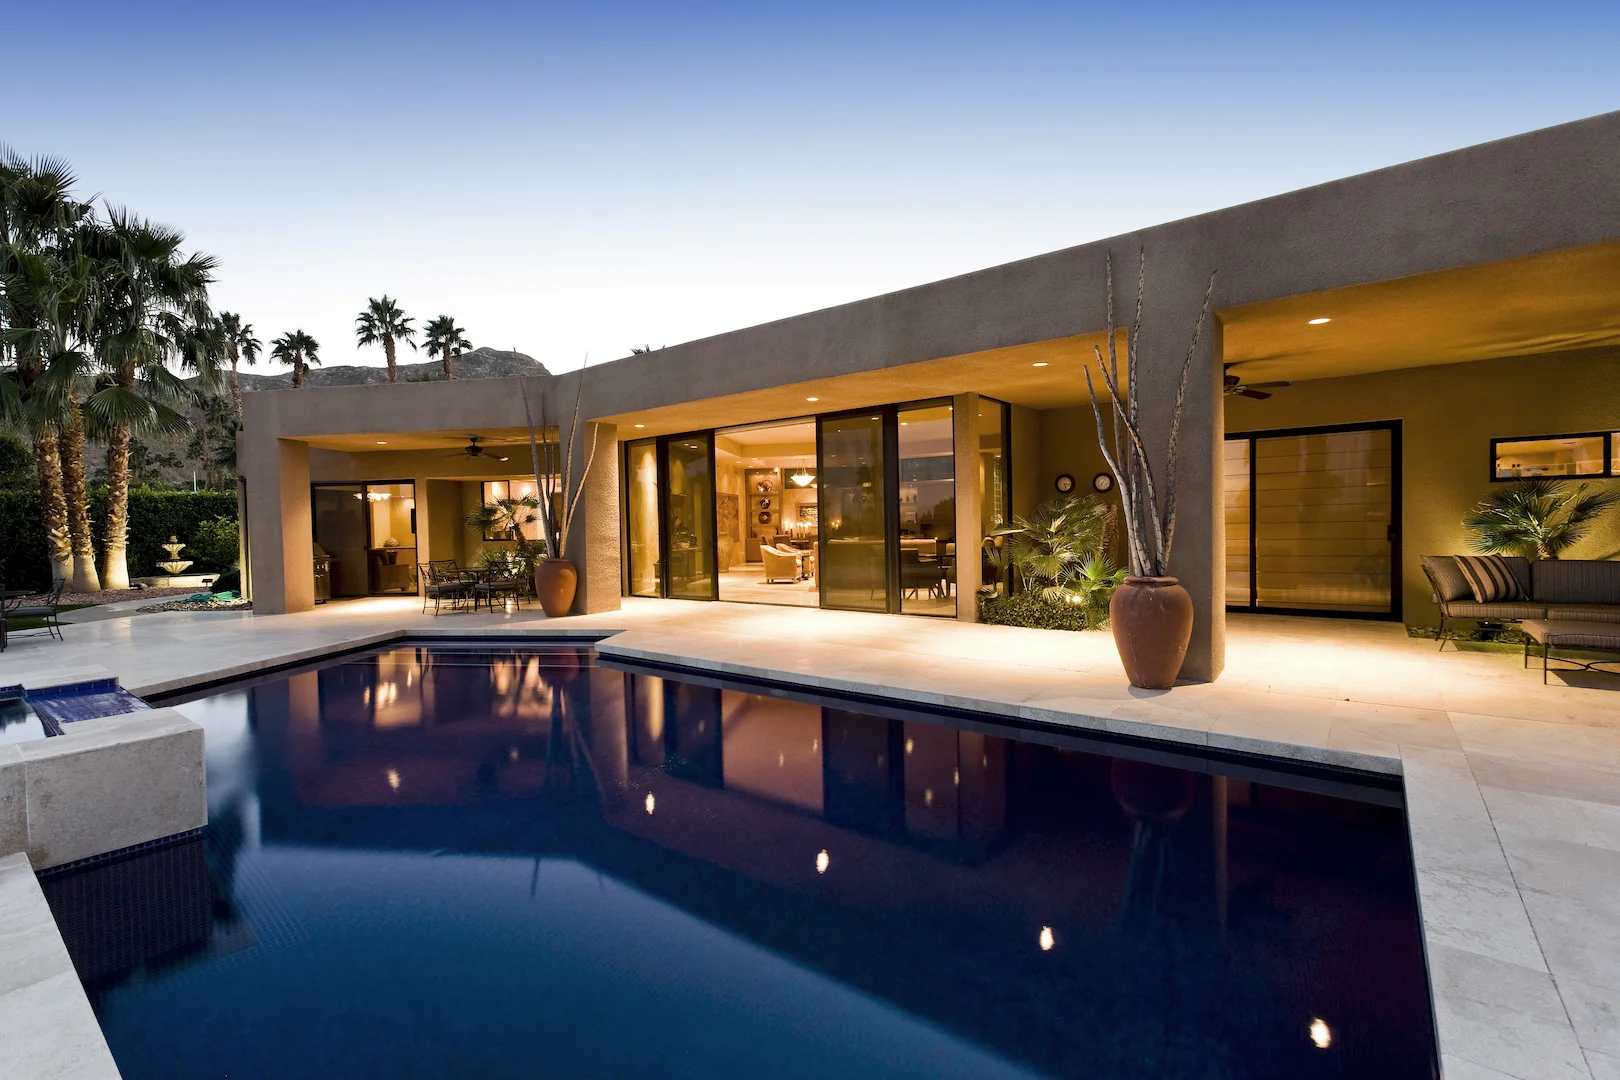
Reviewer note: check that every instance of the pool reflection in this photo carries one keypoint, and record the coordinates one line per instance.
(1067, 911)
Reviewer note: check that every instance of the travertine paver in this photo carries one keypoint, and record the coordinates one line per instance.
(1513, 788)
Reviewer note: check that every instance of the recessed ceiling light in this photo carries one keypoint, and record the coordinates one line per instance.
(641, 425)
(382, 442)
(1040, 363)
(1318, 322)
(812, 399)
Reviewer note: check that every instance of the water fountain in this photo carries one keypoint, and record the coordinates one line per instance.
(175, 565)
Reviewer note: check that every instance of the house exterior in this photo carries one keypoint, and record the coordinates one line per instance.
(1438, 326)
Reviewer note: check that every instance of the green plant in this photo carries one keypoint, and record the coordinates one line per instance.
(384, 323)
(441, 337)
(1032, 609)
(16, 463)
(214, 543)
(1538, 518)
(241, 348)
(228, 581)
(1063, 578)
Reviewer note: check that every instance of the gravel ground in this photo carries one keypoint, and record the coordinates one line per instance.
(201, 605)
(113, 596)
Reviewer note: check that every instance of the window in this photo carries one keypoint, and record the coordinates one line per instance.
(1560, 456)
(495, 490)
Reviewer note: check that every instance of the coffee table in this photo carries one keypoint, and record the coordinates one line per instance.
(1571, 634)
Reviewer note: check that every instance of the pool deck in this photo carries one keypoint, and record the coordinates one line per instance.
(1513, 788)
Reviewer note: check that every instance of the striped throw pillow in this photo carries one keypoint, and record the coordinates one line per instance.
(1490, 578)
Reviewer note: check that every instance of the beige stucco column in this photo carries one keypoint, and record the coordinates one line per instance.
(278, 521)
(966, 430)
(593, 540)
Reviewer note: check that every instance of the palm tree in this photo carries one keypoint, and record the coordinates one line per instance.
(297, 349)
(441, 337)
(242, 347)
(1540, 518)
(41, 303)
(384, 322)
(152, 306)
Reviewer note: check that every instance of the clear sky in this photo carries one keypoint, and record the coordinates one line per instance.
(573, 178)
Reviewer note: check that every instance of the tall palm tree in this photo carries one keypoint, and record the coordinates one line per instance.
(441, 337)
(297, 349)
(151, 308)
(384, 323)
(36, 216)
(242, 347)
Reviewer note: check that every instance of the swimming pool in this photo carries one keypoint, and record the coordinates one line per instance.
(487, 860)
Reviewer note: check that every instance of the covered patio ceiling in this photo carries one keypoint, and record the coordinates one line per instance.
(450, 441)
(1551, 302)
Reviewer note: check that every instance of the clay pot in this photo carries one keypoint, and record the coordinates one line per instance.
(555, 581)
(1152, 619)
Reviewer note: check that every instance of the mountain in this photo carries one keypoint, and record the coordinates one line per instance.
(481, 363)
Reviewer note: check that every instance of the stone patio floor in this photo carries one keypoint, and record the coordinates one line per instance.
(1512, 788)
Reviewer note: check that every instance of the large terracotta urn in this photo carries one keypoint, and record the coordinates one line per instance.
(555, 581)
(1152, 619)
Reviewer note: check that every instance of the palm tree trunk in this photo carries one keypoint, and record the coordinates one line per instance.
(298, 372)
(444, 358)
(77, 496)
(58, 544)
(388, 350)
(116, 572)
(236, 390)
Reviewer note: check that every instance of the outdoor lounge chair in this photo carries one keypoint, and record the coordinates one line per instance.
(45, 607)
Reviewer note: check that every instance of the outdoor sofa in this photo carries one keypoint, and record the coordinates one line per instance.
(1548, 590)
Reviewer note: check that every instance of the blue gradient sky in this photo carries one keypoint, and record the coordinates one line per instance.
(572, 179)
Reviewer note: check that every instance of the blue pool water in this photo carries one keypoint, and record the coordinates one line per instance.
(488, 861)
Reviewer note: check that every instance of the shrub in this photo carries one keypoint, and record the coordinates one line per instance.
(1032, 609)
(229, 581)
(213, 543)
(154, 516)
(16, 463)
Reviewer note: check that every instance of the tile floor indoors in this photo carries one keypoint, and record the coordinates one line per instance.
(1513, 788)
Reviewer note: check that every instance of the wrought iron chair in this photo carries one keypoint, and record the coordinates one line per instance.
(45, 607)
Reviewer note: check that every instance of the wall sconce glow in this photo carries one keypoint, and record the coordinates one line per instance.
(823, 861)
(1320, 1035)
(650, 803)
(911, 745)
(1317, 322)
(641, 425)
(382, 442)
(1047, 940)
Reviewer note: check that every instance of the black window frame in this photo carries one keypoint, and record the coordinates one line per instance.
(1608, 472)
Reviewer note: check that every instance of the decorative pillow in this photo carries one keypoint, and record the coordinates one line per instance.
(1448, 581)
(1491, 579)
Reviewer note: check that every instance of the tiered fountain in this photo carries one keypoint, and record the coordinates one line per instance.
(175, 565)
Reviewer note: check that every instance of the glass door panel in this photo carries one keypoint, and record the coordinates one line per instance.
(338, 516)
(641, 516)
(1238, 523)
(927, 495)
(391, 548)
(1324, 521)
(689, 516)
(853, 554)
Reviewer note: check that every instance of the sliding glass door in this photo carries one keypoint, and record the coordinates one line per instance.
(688, 490)
(855, 510)
(643, 562)
(1322, 509)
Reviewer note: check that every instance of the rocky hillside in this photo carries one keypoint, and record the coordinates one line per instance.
(483, 363)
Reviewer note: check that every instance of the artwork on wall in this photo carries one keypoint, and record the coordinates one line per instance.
(728, 513)
(764, 517)
(808, 514)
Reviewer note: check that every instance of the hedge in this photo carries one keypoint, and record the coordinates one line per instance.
(1029, 609)
(154, 516)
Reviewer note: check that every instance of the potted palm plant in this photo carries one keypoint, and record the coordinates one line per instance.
(556, 579)
(1151, 614)
(1540, 518)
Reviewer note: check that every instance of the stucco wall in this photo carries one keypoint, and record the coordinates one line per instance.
(1448, 416)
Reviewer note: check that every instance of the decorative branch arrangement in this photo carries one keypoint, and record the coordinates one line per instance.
(1150, 521)
(559, 495)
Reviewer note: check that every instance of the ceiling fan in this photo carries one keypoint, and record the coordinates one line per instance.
(473, 450)
(1257, 391)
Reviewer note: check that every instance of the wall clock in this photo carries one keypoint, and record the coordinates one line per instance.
(1064, 483)
(1102, 482)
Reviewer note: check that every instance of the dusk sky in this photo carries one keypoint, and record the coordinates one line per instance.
(586, 178)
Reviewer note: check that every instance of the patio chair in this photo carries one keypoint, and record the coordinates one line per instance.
(45, 607)
(442, 583)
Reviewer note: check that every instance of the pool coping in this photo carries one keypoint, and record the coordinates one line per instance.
(1496, 1007)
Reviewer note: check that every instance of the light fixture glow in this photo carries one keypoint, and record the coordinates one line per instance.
(1317, 322)
(1321, 1036)
(1046, 939)
(641, 425)
(812, 399)
(382, 442)
(1040, 363)
(650, 803)
(823, 861)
